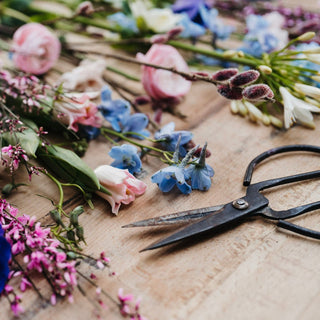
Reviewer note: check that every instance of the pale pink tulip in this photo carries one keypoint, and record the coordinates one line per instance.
(123, 186)
(76, 110)
(162, 84)
(35, 48)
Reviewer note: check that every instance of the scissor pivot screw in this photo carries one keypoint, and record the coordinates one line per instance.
(240, 204)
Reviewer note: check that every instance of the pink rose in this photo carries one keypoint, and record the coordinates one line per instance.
(35, 48)
(123, 186)
(76, 110)
(162, 84)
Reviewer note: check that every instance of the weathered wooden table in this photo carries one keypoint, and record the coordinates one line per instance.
(253, 271)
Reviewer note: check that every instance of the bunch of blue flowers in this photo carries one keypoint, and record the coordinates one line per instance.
(179, 173)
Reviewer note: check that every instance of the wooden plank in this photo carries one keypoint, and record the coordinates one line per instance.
(253, 271)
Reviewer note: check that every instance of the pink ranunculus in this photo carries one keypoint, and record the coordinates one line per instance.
(123, 186)
(76, 110)
(162, 84)
(35, 48)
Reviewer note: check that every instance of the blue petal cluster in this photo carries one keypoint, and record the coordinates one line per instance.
(126, 157)
(214, 24)
(5, 255)
(198, 17)
(199, 174)
(259, 38)
(117, 112)
(171, 176)
(168, 138)
(190, 7)
(125, 22)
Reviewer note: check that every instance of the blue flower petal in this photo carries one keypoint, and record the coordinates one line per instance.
(126, 157)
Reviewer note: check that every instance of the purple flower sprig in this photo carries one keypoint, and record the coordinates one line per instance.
(41, 253)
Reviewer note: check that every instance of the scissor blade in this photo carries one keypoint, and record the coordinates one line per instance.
(176, 218)
(214, 221)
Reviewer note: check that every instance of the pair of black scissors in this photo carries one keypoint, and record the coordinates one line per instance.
(252, 204)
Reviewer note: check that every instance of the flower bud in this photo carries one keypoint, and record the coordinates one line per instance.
(159, 38)
(174, 32)
(276, 122)
(85, 9)
(56, 217)
(80, 233)
(244, 78)
(234, 107)
(306, 36)
(258, 92)
(265, 69)
(224, 75)
(140, 100)
(234, 93)
(6, 190)
(71, 235)
(72, 255)
(266, 119)
(229, 53)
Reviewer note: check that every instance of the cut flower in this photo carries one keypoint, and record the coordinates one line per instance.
(124, 187)
(297, 110)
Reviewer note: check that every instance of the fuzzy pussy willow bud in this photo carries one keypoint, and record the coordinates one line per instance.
(232, 93)
(244, 78)
(258, 92)
(224, 75)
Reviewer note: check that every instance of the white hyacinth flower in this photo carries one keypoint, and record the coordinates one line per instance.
(297, 110)
(307, 90)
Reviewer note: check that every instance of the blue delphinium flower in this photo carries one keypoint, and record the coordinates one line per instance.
(174, 175)
(190, 28)
(171, 176)
(5, 255)
(124, 21)
(113, 110)
(264, 34)
(200, 173)
(169, 138)
(135, 123)
(214, 24)
(117, 112)
(126, 157)
(190, 7)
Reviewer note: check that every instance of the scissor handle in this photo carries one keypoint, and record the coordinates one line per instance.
(298, 229)
(274, 151)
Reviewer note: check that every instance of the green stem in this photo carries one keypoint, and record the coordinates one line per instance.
(95, 23)
(214, 54)
(122, 73)
(142, 146)
(5, 11)
(59, 185)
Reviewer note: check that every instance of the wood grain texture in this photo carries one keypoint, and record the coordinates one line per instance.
(254, 271)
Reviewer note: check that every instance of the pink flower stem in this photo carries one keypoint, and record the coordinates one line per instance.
(96, 286)
(29, 279)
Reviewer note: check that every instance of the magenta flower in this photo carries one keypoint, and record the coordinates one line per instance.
(11, 156)
(124, 187)
(76, 110)
(162, 84)
(35, 48)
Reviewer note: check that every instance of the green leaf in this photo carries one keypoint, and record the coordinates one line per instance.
(28, 139)
(69, 167)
